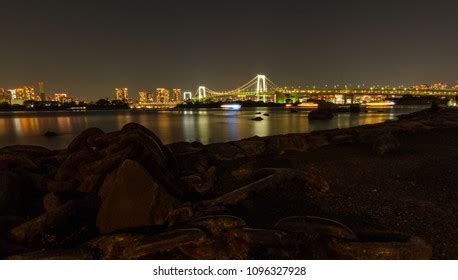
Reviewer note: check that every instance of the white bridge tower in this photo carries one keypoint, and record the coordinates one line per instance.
(261, 85)
(202, 92)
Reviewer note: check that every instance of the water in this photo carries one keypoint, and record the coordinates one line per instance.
(205, 125)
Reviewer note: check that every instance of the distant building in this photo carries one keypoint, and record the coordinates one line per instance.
(439, 85)
(176, 95)
(3, 95)
(29, 93)
(62, 98)
(162, 95)
(41, 88)
(143, 96)
(122, 94)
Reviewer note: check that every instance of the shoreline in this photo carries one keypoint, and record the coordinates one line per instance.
(375, 179)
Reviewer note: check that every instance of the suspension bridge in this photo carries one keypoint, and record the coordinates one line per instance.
(261, 88)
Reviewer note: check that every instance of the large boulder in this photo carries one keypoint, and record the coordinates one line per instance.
(385, 144)
(224, 152)
(315, 181)
(282, 143)
(251, 147)
(131, 197)
(27, 149)
(11, 193)
(320, 115)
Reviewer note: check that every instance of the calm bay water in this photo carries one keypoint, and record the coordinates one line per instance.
(205, 125)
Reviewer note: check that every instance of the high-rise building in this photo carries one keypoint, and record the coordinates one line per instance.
(122, 94)
(19, 94)
(162, 95)
(3, 95)
(62, 98)
(29, 93)
(41, 87)
(143, 96)
(176, 97)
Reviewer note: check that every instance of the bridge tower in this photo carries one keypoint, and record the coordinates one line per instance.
(202, 92)
(261, 85)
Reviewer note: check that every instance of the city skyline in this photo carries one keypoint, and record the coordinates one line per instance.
(121, 93)
(91, 47)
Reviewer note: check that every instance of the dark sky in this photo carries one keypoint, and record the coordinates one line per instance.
(91, 47)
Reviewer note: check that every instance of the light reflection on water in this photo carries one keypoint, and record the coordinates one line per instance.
(205, 125)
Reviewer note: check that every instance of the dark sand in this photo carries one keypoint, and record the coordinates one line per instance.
(413, 191)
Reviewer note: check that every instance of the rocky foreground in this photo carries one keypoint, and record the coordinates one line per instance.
(385, 191)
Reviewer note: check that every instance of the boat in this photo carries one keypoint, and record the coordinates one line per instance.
(308, 105)
(231, 106)
(77, 109)
(385, 103)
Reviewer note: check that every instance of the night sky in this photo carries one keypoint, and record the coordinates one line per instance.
(90, 47)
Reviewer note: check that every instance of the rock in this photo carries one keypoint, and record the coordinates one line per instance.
(192, 180)
(130, 197)
(183, 148)
(343, 139)
(224, 152)
(56, 225)
(368, 135)
(151, 149)
(139, 127)
(50, 134)
(321, 226)
(57, 254)
(320, 115)
(68, 169)
(7, 248)
(271, 179)
(109, 163)
(27, 149)
(251, 147)
(114, 246)
(90, 183)
(8, 222)
(413, 126)
(385, 144)
(192, 163)
(266, 114)
(381, 246)
(197, 144)
(101, 141)
(243, 171)
(257, 119)
(52, 201)
(282, 143)
(68, 185)
(10, 161)
(355, 108)
(201, 185)
(315, 181)
(317, 141)
(11, 193)
(80, 141)
(152, 142)
(167, 245)
(218, 225)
